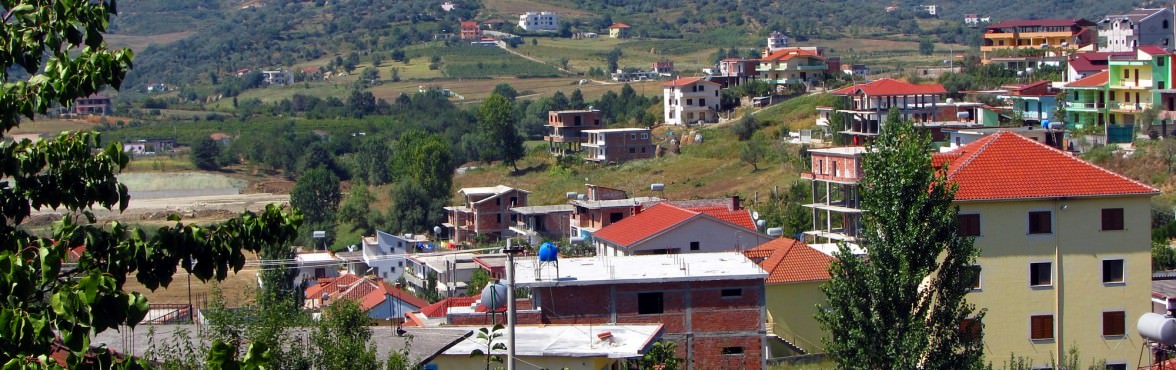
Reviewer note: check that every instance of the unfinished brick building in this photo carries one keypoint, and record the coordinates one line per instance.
(711, 304)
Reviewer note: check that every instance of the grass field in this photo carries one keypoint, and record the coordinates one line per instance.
(703, 170)
(509, 10)
(587, 53)
(138, 43)
(475, 90)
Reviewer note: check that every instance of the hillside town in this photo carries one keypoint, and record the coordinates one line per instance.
(925, 222)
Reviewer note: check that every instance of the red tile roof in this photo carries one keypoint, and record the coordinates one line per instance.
(368, 291)
(441, 308)
(890, 86)
(469, 24)
(1006, 165)
(686, 81)
(1058, 22)
(789, 53)
(788, 260)
(1153, 50)
(1094, 80)
(1093, 61)
(643, 225)
(741, 217)
(619, 25)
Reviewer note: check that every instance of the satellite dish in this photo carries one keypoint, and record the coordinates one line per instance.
(436, 230)
(548, 252)
(754, 215)
(761, 223)
(494, 296)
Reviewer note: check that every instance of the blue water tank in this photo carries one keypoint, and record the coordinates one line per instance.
(1045, 123)
(548, 252)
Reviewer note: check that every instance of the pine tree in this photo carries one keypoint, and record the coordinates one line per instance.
(901, 305)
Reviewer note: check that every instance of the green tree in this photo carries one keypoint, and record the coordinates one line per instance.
(341, 338)
(837, 122)
(356, 209)
(754, 151)
(316, 194)
(478, 280)
(506, 90)
(425, 160)
(613, 58)
(206, 154)
(496, 125)
(577, 100)
(881, 314)
(926, 47)
(54, 54)
(1163, 257)
(661, 356)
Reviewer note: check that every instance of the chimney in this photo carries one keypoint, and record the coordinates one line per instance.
(735, 203)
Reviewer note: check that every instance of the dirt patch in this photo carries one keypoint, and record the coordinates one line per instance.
(272, 186)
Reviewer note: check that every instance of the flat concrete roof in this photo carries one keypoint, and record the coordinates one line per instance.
(635, 201)
(538, 210)
(604, 130)
(423, 344)
(841, 150)
(488, 190)
(315, 257)
(637, 269)
(620, 341)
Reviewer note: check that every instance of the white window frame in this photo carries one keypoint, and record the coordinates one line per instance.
(1051, 274)
(1102, 272)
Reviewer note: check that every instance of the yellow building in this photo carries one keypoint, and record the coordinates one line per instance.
(1065, 250)
(1037, 38)
(795, 274)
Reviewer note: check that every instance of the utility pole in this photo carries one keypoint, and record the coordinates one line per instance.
(510, 251)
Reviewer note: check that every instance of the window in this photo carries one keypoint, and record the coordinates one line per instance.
(644, 136)
(1041, 327)
(689, 101)
(1118, 366)
(732, 350)
(1112, 219)
(732, 293)
(499, 218)
(702, 102)
(1041, 274)
(1126, 73)
(1039, 222)
(973, 275)
(1112, 271)
(1114, 323)
(969, 225)
(649, 303)
(969, 330)
(695, 246)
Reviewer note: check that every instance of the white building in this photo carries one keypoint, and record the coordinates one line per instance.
(281, 77)
(690, 100)
(539, 21)
(313, 266)
(1139, 27)
(777, 41)
(385, 253)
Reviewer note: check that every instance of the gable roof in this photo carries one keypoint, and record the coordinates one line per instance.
(1094, 61)
(1153, 50)
(1094, 80)
(662, 217)
(619, 25)
(368, 291)
(789, 260)
(1134, 15)
(441, 308)
(789, 53)
(1006, 165)
(890, 86)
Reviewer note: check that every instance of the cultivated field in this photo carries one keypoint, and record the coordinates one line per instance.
(509, 10)
(138, 43)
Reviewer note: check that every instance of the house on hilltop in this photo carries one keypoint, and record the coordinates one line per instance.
(379, 299)
(1136, 28)
(668, 229)
(690, 100)
(619, 30)
(485, 212)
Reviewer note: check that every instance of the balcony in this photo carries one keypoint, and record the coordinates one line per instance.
(1128, 107)
(1084, 107)
(812, 68)
(1125, 85)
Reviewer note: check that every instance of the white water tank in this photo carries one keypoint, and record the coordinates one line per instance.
(1157, 327)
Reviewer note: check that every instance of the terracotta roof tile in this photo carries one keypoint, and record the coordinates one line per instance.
(741, 217)
(1057, 22)
(1094, 80)
(1006, 165)
(1153, 50)
(619, 25)
(441, 308)
(788, 260)
(789, 53)
(367, 291)
(890, 86)
(650, 222)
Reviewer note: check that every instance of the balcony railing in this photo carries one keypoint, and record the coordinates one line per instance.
(1090, 106)
(1129, 107)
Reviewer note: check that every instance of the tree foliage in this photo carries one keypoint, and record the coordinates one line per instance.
(206, 154)
(63, 56)
(661, 356)
(500, 139)
(317, 194)
(341, 338)
(881, 314)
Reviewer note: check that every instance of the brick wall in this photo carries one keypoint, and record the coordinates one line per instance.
(696, 315)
